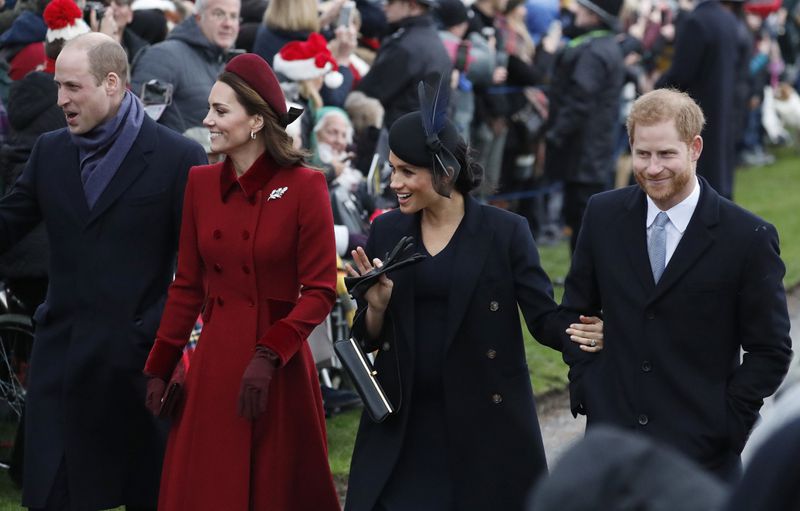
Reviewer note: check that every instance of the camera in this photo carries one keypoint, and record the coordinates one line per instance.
(99, 11)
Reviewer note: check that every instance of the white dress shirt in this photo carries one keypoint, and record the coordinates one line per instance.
(679, 216)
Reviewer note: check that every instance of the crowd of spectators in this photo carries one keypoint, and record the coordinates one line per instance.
(539, 88)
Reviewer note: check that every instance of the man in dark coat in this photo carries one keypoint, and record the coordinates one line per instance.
(584, 108)
(109, 189)
(409, 55)
(704, 65)
(685, 280)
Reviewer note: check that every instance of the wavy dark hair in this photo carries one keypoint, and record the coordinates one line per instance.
(277, 142)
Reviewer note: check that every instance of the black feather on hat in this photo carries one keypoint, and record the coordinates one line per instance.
(427, 138)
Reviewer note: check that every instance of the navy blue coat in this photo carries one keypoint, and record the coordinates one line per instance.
(109, 272)
(670, 367)
(494, 445)
(705, 66)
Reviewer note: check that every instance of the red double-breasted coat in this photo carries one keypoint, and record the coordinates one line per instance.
(257, 256)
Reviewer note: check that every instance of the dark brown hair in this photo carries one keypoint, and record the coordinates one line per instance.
(277, 142)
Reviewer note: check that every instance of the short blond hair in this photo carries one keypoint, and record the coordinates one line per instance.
(663, 105)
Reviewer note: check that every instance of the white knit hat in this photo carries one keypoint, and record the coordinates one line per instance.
(305, 60)
(64, 20)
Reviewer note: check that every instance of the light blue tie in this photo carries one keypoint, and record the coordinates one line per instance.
(657, 246)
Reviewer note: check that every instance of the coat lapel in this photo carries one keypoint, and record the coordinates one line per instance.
(634, 238)
(697, 238)
(473, 247)
(69, 174)
(132, 166)
(403, 292)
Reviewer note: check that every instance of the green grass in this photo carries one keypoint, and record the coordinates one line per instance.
(772, 192)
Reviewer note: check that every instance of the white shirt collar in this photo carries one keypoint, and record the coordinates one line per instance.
(679, 214)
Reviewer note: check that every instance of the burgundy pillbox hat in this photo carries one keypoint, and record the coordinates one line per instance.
(255, 71)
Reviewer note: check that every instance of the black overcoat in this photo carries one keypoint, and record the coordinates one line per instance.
(705, 67)
(583, 119)
(495, 446)
(109, 271)
(671, 367)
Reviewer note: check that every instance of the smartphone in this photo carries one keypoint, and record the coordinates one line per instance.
(462, 53)
(346, 14)
(155, 92)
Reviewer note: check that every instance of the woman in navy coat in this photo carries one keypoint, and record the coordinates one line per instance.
(449, 339)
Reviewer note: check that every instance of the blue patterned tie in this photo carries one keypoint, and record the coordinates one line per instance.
(657, 246)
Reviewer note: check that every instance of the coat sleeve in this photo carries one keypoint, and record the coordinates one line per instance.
(158, 63)
(581, 296)
(184, 298)
(382, 81)
(763, 323)
(589, 77)
(533, 289)
(316, 271)
(19, 209)
(687, 59)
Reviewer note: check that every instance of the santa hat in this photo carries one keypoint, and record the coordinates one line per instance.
(64, 20)
(305, 60)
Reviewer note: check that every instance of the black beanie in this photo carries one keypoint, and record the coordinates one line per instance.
(607, 10)
(451, 13)
(31, 97)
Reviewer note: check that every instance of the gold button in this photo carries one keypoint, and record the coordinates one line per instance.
(491, 354)
(494, 306)
(497, 399)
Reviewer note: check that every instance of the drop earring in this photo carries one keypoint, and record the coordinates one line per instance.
(252, 135)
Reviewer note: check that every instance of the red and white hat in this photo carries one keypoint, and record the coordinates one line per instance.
(64, 20)
(305, 60)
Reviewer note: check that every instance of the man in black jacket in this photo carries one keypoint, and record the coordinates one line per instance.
(584, 108)
(411, 53)
(686, 280)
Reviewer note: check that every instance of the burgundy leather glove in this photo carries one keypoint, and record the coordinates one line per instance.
(155, 391)
(255, 383)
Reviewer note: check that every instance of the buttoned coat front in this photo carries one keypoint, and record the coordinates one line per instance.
(671, 365)
(494, 443)
(109, 271)
(257, 255)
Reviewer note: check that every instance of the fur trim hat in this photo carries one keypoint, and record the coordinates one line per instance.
(64, 20)
(305, 60)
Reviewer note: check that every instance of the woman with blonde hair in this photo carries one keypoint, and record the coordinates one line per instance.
(285, 21)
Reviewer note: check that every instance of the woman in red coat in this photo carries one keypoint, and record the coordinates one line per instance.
(257, 256)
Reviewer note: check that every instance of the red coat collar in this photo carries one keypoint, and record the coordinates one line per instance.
(253, 180)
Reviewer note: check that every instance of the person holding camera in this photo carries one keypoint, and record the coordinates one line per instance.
(189, 60)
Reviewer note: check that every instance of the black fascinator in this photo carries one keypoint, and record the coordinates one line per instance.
(427, 138)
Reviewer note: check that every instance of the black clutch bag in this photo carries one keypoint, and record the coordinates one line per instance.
(358, 366)
(400, 256)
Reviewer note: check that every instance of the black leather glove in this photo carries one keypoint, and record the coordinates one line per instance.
(400, 256)
(255, 383)
(155, 391)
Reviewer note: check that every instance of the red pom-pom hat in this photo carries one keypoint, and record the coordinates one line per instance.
(64, 20)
